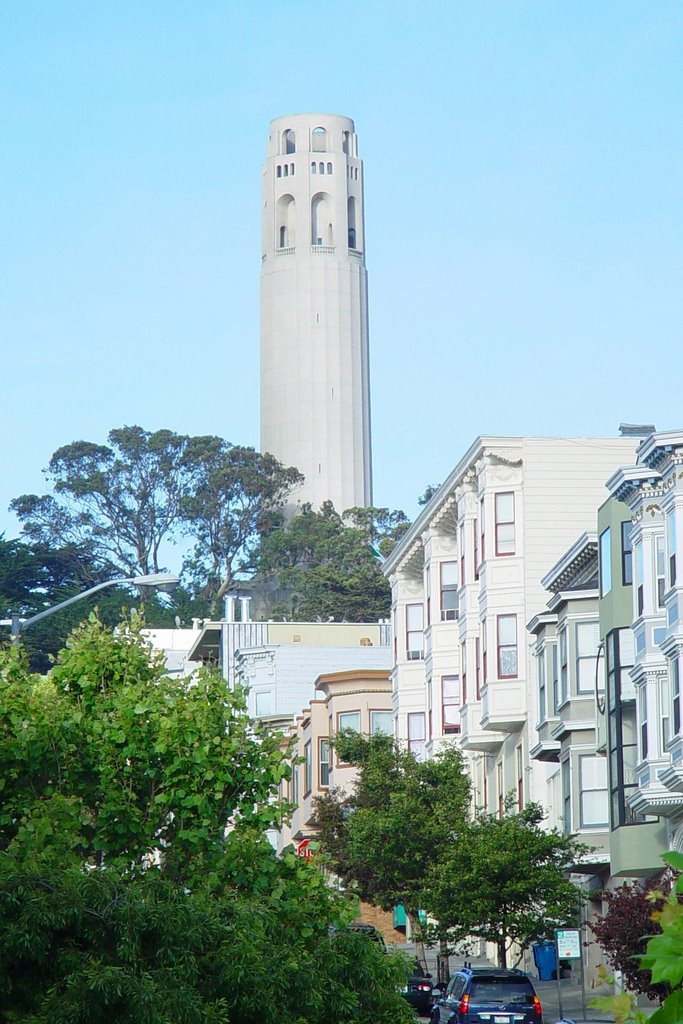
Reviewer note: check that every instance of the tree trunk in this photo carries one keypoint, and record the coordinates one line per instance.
(502, 953)
(443, 971)
(416, 934)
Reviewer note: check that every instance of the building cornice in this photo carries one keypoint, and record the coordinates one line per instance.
(581, 552)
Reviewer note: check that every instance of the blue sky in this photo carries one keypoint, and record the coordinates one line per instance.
(523, 166)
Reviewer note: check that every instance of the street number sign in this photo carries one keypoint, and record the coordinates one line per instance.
(568, 944)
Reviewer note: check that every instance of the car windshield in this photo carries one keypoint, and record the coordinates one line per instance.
(502, 990)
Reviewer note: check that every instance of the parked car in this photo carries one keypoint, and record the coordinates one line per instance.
(487, 995)
(418, 990)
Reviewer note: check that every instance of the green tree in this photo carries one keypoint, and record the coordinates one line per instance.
(123, 897)
(236, 496)
(332, 562)
(505, 880)
(662, 960)
(119, 501)
(386, 836)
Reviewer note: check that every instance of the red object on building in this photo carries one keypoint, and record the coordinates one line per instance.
(303, 849)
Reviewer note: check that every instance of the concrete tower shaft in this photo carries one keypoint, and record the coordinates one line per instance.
(315, 386)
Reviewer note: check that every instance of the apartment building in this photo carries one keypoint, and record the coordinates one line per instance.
(641, 532)
(466, 579)
(569, 669)
(279, 662)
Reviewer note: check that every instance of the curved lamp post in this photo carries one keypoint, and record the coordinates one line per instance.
(163, 581)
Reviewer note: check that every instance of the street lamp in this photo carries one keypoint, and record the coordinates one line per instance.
(163, 581)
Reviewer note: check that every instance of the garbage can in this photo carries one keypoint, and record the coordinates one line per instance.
(545, 960)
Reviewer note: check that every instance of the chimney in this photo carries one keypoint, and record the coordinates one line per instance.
(230, 607)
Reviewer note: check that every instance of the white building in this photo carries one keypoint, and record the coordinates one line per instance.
(467, 578)
(279, 662)
(315, 389)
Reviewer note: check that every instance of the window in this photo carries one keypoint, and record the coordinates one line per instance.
(621, 725)
(329, 168)
(642, 715)
(289, 139)
(593, 791)
(416, 734)
(542, 696)
(484, 657)
(477, 668)
(587, 644)
(314, 167)
(504, 504)
(626, 554)
(345, 143)
(263, 703)
(507, 646)
(279, 171)
(564, 663)
(676, 695)
(554, 662)
(283, 236)
(640, 579)
(450, 703)
(381, 723)
(308, 768)
(519, 761)
(462, 555)
(499, 789)
(319, 140)
(291, 168)
(566, 796)
(482, 530)
(286, 170)
(665, 711)
(414, 630)
(321, 167)
(348, 720)
(660, 570)
(475, 548)
(605, 557)
(323, 762)
(295, 780)
(449, 590)
(463, 669)
(671, 546)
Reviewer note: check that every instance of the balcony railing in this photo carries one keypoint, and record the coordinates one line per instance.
(287, 250)
(322, 248)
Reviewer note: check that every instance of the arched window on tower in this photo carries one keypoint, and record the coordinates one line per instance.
(319, 140)
(322, 232)
(285, 218)
(321, 167)
(345, 142)
(289, 141)
(314, 167)
(291, 168)
(286, 170)
(353, 237)
(279, 171)
(329, 168)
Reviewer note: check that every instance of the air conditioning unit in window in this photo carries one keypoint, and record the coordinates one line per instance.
(415, 655)
(449, 614)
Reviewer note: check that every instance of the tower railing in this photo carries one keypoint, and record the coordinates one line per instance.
(287, 250)
(322, 248)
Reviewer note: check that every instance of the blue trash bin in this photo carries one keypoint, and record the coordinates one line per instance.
(545, 960)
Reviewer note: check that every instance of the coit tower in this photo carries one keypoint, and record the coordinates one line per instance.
(315, 386)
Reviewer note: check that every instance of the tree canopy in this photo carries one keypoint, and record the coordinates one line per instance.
(125, 501)
(505, 880)
(331, 562)
(386, 835)
(136, 880)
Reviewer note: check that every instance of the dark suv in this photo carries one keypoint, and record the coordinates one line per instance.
(487, 995)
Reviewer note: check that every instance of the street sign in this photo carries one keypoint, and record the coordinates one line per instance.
(568, 944)
(304, 850)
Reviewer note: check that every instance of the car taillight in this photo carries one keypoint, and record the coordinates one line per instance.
(538, 1010)
(425, 988)
(464, 1003)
